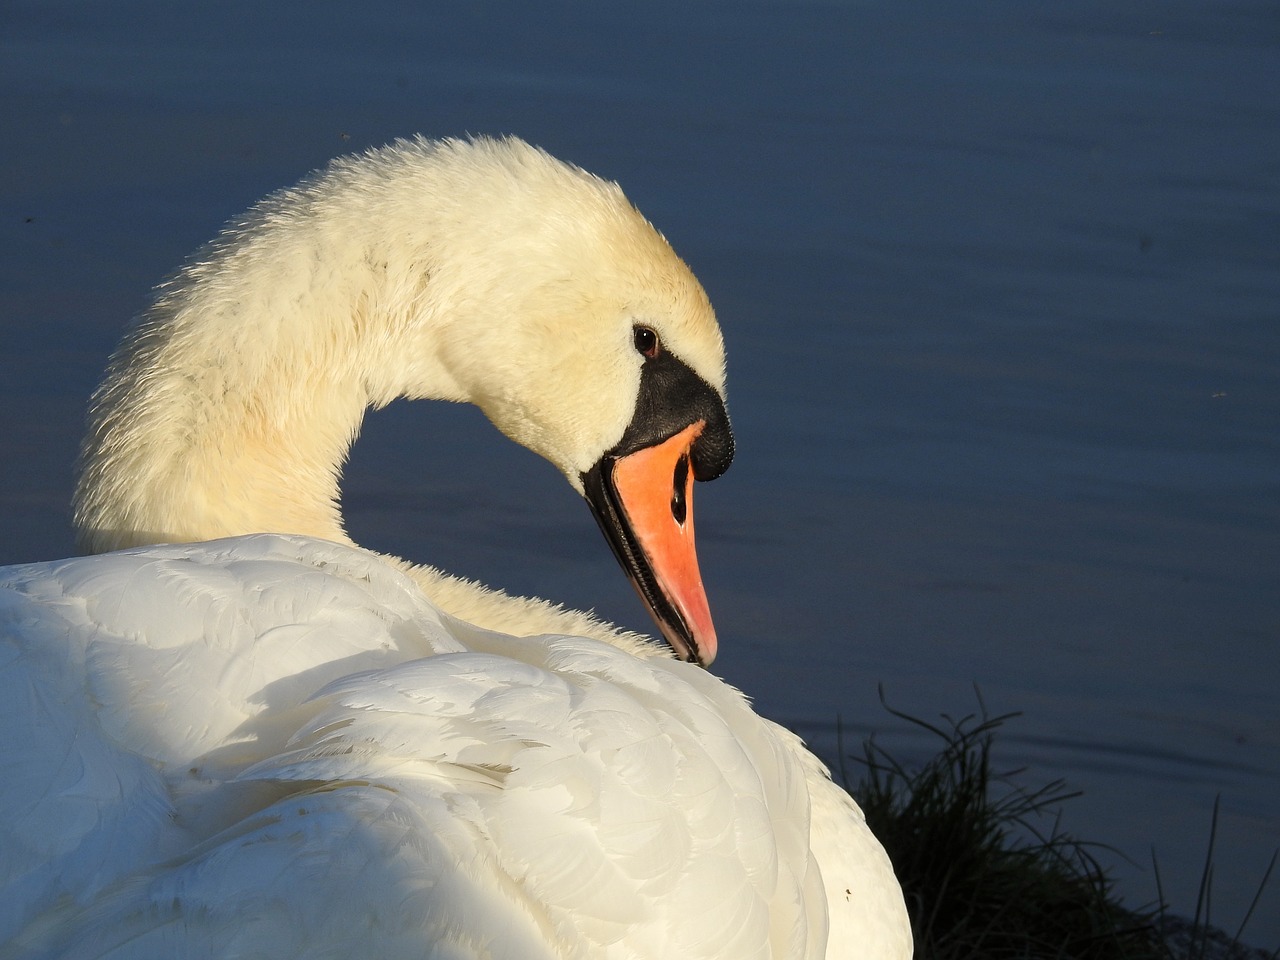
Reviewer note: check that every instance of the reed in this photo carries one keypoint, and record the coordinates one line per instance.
(988, 871)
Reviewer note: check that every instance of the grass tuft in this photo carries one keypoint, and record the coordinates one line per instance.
(989, 873)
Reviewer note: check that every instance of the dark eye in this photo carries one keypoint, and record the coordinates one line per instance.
(646, 341)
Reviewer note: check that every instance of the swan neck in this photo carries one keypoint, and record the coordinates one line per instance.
(231, 407)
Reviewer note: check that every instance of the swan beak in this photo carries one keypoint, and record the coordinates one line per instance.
(643, 502)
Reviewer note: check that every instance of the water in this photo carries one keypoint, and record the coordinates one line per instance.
(1000, 284)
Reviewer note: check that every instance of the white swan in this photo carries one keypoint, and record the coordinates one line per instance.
(281, 745)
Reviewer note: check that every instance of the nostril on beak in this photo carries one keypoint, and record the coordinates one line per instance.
(679, 503)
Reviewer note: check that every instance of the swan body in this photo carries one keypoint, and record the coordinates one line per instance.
(274, 743)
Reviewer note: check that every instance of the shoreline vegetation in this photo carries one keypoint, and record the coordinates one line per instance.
(989, 872)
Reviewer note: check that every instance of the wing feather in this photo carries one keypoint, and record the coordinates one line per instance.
(273, 746)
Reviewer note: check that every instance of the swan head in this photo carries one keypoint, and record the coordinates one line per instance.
(570, 321)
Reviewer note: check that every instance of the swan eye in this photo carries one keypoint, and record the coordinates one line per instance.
(646, 341)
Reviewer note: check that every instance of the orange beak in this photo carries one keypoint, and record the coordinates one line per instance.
(643, 502)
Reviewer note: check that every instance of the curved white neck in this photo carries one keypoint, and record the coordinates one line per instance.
(231, 406)
(224, 412)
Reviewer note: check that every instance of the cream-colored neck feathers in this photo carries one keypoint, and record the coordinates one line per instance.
(480, 271)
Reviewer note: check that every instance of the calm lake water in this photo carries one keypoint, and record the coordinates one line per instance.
(1001, 288)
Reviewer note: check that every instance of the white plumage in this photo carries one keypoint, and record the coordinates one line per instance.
(284, 746)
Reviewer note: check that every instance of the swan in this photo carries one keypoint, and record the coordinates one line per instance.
(233, 732)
